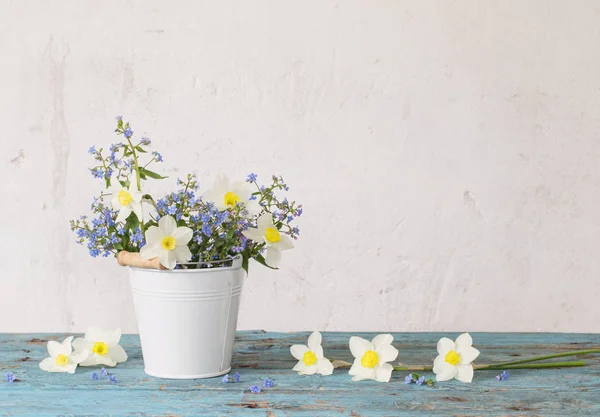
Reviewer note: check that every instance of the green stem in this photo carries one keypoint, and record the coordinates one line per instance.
(483, 367)
(531, 365)
(137, 166)
(555, 355)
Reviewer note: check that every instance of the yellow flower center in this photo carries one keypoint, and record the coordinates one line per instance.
(231, 199)
(452, 357)
(62, 360)
(309, 358)
(370, 359)
(124, 197)
(168, 243)
(272, 235)
(100, 348)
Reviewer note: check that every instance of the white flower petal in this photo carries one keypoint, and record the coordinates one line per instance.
(253, 207)
(444, 371)
(182, 254)
(167, 259)
(91, 360)
(241, 189)
(314, 341)
(115, 201)
(66, 348)
(216, 197)
(94, 333)
(81, 345)
(300, 366)
(445, 345)
(468, 355)
(78, 357)
(463, 342)
(358, 346)
(124, 213)
(265, 221)
(254, 234)
(273, 258)
(438, 363)
(361, 373)
(70, 368)
(153, 236)
(309, 370)
(383, 373)
(112, 338)
(183, 235)
(150, 251)
(285, 243)
(117, 353)
(464, 373)
(167, 225)
(318, 351)
(137, 209)
(222, 183)
(105, 360)
(386, 353)
(381, 340)
(324, 366)
(47, 364)
(298, 351)
(54, 348)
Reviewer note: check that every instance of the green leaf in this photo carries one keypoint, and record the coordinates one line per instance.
(151, 174)
(140, 149)
(261, 260)
(132, 221)
(245, 260)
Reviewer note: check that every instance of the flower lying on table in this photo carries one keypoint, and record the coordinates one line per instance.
(102, 347)
(371, 358)
(454, 360)
(310, 357)
(97, 347)
(61, 357)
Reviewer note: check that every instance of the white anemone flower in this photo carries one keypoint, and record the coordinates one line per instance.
(454, 359)
(127, 201)
(61, 357)
(226, 195)
(371, 358)
(168, 242)
(310, 358)
(268, 233)
(101, 346)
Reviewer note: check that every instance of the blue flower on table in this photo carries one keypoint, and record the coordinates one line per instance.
(9, 377)
(255, 389)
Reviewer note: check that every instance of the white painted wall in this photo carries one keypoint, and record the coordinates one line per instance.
(447, 153)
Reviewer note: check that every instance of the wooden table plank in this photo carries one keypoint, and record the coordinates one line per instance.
(259, 355)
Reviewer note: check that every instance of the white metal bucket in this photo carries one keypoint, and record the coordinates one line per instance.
(187, 319)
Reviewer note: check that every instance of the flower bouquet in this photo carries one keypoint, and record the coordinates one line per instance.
(187, 251)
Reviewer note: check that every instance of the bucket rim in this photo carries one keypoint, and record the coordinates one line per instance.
(236, 264)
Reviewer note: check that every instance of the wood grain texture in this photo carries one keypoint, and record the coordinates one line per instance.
(259, 355)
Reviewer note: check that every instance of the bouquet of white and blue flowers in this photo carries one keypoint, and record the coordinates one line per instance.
(186, 228)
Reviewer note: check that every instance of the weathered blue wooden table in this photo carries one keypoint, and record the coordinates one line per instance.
(260, 355)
